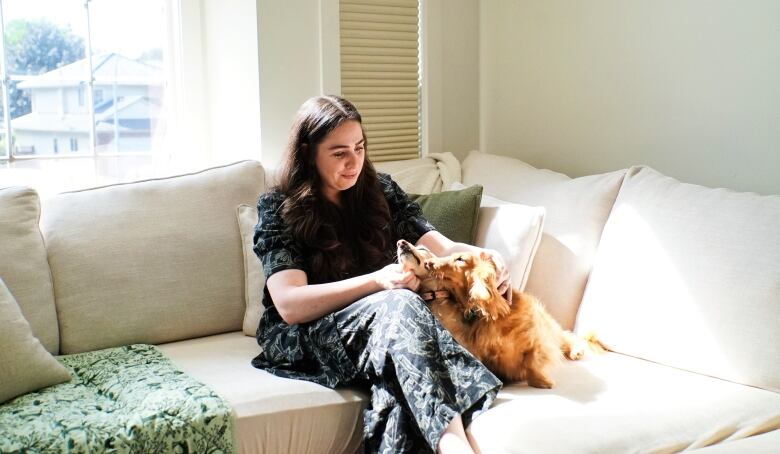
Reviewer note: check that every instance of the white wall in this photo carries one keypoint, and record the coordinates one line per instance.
(291, 69)
(299, 58)
(230, 38)
(248, 66)
(47, 100)
(689, 87)
(451, 75)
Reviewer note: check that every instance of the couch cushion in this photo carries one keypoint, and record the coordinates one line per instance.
(273, 414)
(613, 403)
(690, 277)
(766, 443)
(515, 231)
(24, 364)
(152, 261)
(23, 263)
(576, 210)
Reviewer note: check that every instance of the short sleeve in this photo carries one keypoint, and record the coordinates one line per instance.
(274, 244)
(407, 215)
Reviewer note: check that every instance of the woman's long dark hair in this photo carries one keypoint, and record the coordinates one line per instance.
(340, 241)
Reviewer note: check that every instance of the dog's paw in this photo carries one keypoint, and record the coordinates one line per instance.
(573, 347)
(576, 350)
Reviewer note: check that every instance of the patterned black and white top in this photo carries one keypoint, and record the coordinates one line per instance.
(313, 351)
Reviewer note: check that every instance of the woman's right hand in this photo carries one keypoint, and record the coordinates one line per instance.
(393, 276)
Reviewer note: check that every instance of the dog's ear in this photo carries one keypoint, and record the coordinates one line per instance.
(479, 291)
(480, 297)
(485, 257)
(482, 293)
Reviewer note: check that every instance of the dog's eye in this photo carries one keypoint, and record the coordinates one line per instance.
(459, 259)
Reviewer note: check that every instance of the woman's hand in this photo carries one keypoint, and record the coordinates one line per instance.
(503, 281)
(393, 276)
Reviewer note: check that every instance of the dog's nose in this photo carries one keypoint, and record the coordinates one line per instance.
(428, 265)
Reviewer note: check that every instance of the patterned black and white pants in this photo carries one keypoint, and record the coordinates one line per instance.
(419, 377)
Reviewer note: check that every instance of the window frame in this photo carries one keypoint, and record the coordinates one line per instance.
(87, 85)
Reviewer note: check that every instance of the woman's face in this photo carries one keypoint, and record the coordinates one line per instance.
(339, 159)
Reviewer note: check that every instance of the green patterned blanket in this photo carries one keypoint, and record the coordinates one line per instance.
(125, 400)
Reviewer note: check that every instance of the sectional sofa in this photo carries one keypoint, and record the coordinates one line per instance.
(680, 282)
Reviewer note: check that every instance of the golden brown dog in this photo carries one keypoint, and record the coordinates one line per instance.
(520, 342)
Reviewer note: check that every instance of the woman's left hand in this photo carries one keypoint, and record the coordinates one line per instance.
(504, 284)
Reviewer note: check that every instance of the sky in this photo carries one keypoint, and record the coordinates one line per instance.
(128, 27)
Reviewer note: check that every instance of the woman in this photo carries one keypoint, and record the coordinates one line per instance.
(339, 310)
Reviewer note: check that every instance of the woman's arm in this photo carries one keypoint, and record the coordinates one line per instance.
(443, 246)
(299, 302)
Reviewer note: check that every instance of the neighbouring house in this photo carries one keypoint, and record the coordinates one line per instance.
(127, 100)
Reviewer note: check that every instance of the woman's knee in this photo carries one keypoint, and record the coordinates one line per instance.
(397, 306)
(407, 300)
(407, 308)
(406, 294)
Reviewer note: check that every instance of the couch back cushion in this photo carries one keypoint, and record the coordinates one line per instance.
(689, 277)
(150, 262)
(23, 264)
(576, 210)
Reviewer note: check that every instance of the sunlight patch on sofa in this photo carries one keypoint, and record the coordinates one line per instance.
(639, 303)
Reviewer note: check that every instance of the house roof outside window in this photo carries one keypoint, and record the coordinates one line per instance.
(112, 71)
(109, 67)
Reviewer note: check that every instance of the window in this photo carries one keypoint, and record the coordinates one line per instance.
(97, 69)
(380, 72)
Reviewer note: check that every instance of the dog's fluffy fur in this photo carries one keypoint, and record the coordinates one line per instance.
(517, 342)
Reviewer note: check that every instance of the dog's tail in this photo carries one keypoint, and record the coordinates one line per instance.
(594, 343)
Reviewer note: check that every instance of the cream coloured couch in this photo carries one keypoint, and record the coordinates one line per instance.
(681, 282)
(683, 285)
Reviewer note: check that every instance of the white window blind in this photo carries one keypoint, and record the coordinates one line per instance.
(380, 73)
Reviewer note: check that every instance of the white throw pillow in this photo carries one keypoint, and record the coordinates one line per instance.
(254, 279)
(25, 365)
(512, 229)
(689, 277)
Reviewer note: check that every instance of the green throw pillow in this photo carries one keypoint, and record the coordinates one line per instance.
(453, 213)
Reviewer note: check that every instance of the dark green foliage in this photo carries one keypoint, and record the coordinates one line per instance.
(37, 47)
